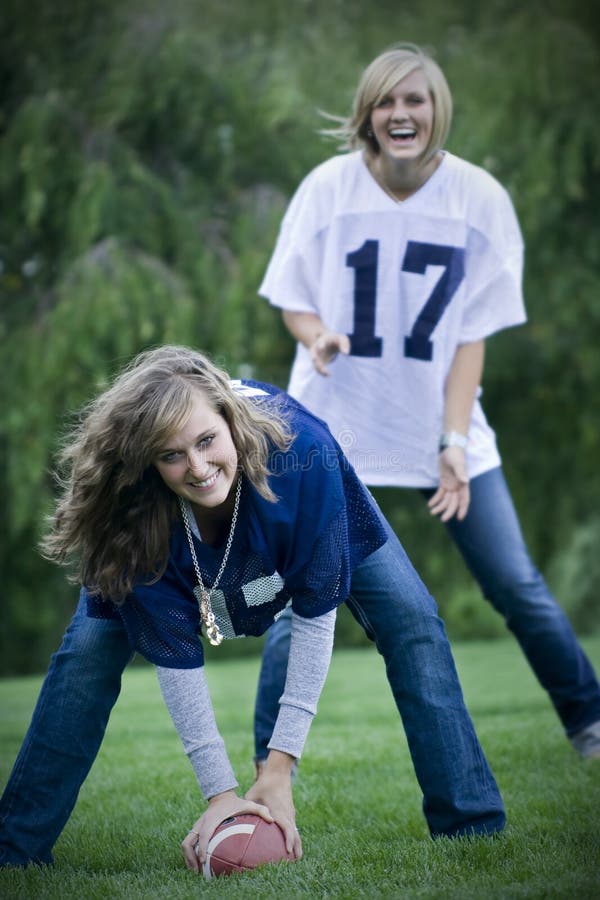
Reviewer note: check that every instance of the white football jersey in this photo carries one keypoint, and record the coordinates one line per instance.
(408, 282)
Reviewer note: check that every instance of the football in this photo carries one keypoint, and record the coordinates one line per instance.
(244, 842)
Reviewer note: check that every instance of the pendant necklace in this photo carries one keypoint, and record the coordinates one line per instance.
(201, 592)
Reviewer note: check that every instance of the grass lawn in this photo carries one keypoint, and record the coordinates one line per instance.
(357, 800)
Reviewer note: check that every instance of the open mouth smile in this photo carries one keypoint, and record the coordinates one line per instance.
(402, 135)
(206, 482)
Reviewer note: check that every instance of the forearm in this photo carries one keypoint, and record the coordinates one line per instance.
(461, 386)
(304, 327)
(310, 655)
(187, 698)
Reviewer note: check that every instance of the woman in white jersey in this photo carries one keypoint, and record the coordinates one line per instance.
(394, 262)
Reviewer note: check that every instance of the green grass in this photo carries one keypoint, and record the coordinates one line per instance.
(357, 800)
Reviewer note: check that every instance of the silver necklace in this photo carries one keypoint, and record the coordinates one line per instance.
(201, 592)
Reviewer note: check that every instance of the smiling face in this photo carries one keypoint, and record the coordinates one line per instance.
(199, 461)
(402, 121)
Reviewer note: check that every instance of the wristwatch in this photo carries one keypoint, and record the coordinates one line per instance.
(452, 439)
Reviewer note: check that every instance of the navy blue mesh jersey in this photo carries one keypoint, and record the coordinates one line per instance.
(300, 550)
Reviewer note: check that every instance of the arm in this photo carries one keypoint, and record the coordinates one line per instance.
(308, 664)
(186, 695)
(452, 496)
(324, 345)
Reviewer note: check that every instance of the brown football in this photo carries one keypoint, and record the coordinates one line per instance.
(244, 842)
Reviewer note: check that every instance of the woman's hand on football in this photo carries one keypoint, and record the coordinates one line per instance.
(220, 807)
(273, 788)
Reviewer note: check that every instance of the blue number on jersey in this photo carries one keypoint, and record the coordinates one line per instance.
(418, 256)
(363, 341)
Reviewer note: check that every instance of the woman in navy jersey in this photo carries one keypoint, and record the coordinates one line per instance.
(395, 261)
(193, 504)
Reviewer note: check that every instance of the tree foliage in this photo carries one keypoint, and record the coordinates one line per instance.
(146, 157)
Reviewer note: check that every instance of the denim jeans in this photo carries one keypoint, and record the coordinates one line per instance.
(493, 548)
(66, 730)
(492, 545)
(389, 600)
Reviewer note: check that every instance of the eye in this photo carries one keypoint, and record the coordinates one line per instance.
(415, 99)
(170, 456)
(385, 101)
(206, 441)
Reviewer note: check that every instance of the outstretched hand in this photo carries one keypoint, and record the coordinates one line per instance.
(453, 496)
(326, 347)
(220, 807)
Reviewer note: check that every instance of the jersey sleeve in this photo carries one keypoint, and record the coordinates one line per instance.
(494, 269)
(291, 280)
(322, 582)
(97, 608)
(162, 624)
(332, 524)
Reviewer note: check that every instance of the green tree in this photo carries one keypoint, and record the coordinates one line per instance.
(146, 158)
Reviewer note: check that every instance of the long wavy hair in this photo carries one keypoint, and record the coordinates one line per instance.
(114, 516)
(377, 80)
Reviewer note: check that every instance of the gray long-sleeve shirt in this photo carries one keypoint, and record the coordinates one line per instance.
(187, 697)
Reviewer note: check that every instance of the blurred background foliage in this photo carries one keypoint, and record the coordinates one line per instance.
(147, 153)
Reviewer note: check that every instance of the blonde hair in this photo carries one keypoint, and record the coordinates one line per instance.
(115, 514)
(377, 80)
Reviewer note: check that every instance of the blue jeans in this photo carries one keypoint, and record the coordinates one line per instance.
(494, 550)
(390, 601)
(492, 545)
(66, 730)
